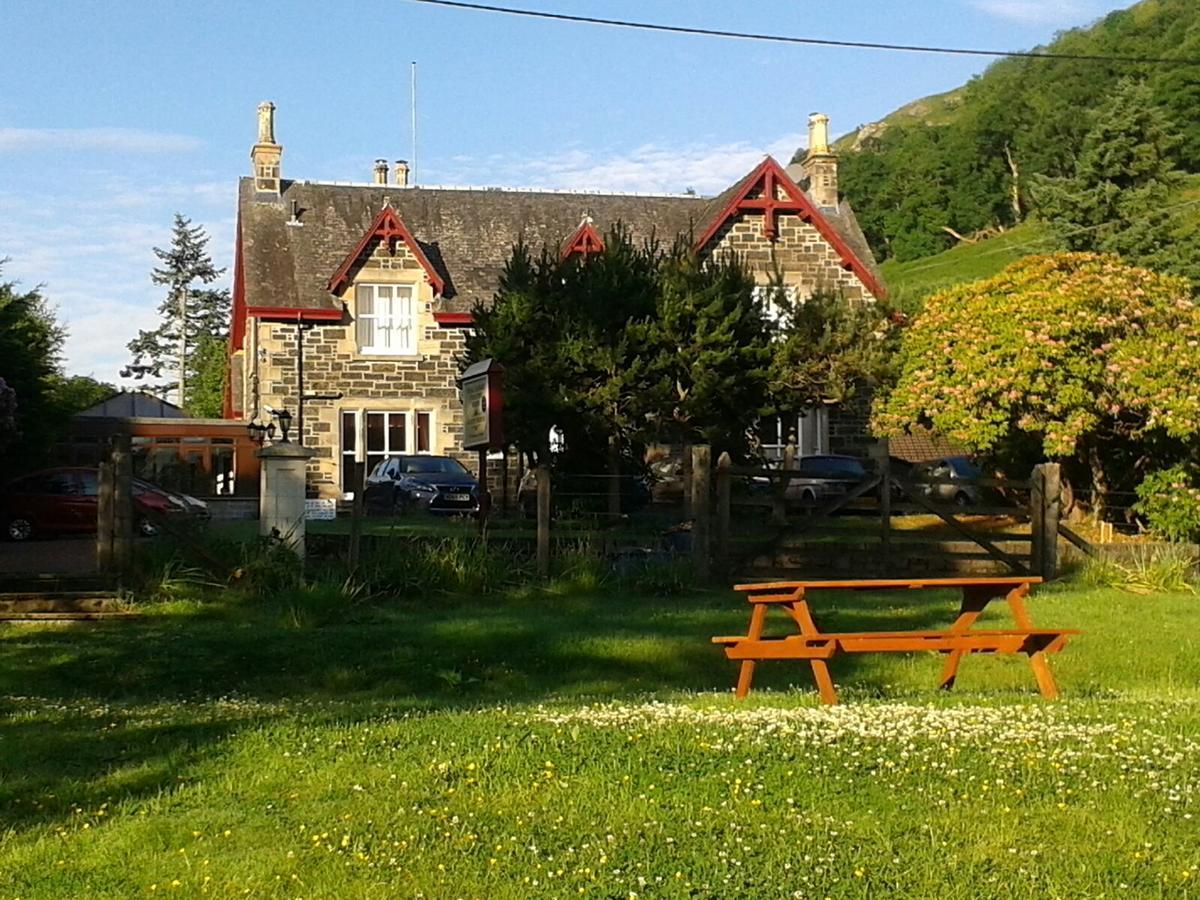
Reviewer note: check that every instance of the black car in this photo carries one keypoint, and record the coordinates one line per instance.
(436, 484)
(825, 476)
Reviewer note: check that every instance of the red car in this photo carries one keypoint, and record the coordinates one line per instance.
(55, 501)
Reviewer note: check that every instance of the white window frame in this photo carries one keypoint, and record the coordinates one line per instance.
(360, 454)
(387, 323)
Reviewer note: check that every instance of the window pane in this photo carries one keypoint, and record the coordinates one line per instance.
(397, 432)
(422, 432)
(375, 432)
(349, 432)
(363, 311)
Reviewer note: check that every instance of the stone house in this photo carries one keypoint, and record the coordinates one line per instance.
(351, 300)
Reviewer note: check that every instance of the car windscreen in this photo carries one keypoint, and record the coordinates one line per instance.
(431, 465)
(964, 468)
(831, 467)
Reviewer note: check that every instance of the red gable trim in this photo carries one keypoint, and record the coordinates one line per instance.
(450, 318)
(386, 227)
(585, 240)
(237, 324)
(294, 314)
(766, 179)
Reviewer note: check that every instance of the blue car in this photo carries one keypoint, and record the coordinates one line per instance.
(435, 484)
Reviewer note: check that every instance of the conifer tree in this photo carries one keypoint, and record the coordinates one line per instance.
(714, 346)
(1118, 199)
(188, 315)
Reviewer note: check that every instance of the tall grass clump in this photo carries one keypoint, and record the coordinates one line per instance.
(416, 568)
(1145, 569)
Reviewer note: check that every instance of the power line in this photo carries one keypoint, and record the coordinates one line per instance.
(807, 41)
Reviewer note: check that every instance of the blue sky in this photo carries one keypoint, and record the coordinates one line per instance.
(115, 115)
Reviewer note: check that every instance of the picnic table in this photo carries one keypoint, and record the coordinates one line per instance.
(818, 647)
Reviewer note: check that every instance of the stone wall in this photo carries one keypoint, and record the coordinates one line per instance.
(799, 253)
(849, 426)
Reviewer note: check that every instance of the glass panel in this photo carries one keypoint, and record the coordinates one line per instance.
(88, 479)
(422, 432)
(397, 432)
(349, 432)
(375, 432)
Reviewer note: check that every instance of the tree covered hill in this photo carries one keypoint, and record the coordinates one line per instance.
(966, 160)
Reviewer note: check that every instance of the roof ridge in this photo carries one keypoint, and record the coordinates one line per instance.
(583, 192)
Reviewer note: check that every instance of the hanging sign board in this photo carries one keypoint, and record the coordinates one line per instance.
(482, 390)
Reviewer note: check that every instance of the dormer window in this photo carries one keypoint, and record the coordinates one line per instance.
(385, 319)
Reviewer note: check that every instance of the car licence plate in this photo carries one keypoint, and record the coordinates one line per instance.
(459, 498)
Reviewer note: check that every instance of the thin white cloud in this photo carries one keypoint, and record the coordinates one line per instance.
(131, 141)
(1057, 13)
(651, 168)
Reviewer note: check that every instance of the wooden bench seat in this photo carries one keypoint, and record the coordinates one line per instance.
(826, 644)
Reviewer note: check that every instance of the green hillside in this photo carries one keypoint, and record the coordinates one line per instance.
(909, 283)
(952, 160)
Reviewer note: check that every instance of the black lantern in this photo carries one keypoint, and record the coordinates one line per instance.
(285, 422)
(258, 433)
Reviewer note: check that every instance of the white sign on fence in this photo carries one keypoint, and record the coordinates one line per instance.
(322, 509)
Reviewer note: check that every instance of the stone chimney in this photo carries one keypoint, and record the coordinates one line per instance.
(380, 171)
(821, 163)
(402, 172)
(266, 155)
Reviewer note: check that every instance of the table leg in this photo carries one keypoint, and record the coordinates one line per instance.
(1037, 661)
(973, 604)
(746, 675)
(820, 669)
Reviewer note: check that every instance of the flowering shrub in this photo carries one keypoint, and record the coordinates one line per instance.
(1170, 500)
(1072, 349)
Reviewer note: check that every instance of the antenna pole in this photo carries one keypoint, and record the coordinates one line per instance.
(413, 105)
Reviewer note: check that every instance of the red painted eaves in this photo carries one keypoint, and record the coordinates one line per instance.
(386, 227)
(767, 179)
(294, 314)
(585, 240)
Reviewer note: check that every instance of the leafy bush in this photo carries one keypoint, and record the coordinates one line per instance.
(1170, 501)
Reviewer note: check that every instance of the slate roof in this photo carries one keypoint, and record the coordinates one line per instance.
(467, 234)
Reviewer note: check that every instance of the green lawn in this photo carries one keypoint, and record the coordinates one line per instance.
(562, 743)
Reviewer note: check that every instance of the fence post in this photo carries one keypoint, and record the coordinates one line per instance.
(356, 516)
(1045, 509)
(104, 516)
(614, 481)
(685, 472)
(1052, 506)
(122, 503)
(883, 458)
(701, 475)
(1037, 503)
(543, 520)
(779, 491)
(724, 476)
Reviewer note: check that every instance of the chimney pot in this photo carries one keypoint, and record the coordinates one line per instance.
(266, 156)
(821, 163)
(402, 172)
(380, 171)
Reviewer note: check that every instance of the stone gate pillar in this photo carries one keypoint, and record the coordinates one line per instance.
(281, 493)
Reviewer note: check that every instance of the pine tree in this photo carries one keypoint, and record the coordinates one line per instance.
(188, 316)
(714, 347)
(1118, 199)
